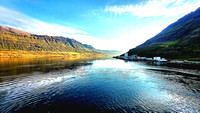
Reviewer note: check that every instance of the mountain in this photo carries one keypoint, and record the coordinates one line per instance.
(111, 52)
(180, 40)
(15, 40)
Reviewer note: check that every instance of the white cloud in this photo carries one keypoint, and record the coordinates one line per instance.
(22, 22)
(166, 8)
(105, 44)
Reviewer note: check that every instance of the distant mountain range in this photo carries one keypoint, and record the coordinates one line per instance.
(111, 52)
(180, 40)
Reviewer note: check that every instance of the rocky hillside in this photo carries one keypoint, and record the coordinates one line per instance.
(12, 39)
(180, 40)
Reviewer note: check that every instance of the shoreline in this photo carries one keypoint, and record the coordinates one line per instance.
(47, 54)
(168, 62)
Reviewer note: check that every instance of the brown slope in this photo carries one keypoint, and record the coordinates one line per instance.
(12, 39)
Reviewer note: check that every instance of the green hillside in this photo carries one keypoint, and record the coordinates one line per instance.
(180, 40)
(12, 39)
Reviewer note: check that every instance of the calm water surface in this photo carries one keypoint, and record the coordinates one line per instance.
(103, 85)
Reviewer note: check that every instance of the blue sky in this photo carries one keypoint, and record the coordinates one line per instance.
(104, 24)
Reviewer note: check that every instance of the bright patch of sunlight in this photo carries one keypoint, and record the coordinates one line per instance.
(113, 64)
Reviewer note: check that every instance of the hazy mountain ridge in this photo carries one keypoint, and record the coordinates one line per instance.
(179, 40)
(111, 52)
(12, 39)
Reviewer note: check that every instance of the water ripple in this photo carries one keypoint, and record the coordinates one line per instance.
(102, 86)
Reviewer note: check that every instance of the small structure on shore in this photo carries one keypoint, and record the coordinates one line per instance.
(134, 57)
(143, 58)
(149, 59)
(163, 60)
(138, 58)
(157, 58)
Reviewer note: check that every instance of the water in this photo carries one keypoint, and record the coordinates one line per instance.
(103, 85)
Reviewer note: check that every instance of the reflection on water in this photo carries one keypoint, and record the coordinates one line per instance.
(106, 85)
(16, 66)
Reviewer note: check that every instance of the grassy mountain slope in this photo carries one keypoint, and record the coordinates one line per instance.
(180, 40)
(15, 40)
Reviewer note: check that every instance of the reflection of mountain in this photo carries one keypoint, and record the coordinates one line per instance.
(179, 40)
(19, 66)
(12, 39)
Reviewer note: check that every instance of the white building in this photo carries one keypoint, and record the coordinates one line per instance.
(163, 60)
(157, 58)
(143, 58)
(149, 58)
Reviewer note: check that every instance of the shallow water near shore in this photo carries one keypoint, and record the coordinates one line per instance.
(101, 85)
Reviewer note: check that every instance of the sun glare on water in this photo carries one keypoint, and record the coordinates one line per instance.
(114, 64)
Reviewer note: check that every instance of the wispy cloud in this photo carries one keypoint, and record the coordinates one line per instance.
(166, 8)
(23, 22)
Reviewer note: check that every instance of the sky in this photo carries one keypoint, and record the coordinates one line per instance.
(104, 24)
